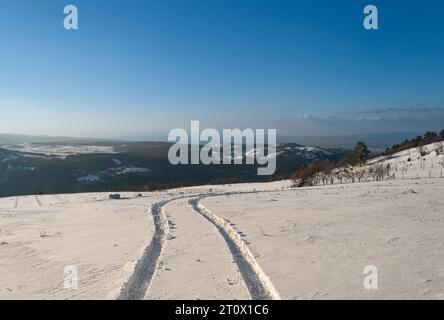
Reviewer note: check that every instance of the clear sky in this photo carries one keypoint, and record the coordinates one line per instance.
(136, 69)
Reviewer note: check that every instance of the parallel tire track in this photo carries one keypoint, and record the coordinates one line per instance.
(259, 285)
(138, 284)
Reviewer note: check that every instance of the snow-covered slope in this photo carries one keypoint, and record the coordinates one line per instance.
(40, 236)
(421, 162)
(416, 163)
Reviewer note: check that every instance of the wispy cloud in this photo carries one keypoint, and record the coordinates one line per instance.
(359, 122)
(412, 110)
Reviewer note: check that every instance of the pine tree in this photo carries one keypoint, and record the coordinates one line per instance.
(360, 153)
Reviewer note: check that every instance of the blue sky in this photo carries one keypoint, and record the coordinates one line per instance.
(136, 69)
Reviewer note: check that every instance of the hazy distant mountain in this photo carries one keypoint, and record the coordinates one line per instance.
(376, 142)
(6, 139)
(30, 165)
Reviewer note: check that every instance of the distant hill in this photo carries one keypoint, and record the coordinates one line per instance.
(376, 142)
(6, 139)
(51, 165)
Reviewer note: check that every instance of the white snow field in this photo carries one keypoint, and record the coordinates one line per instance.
(60, 151)
(243, 241)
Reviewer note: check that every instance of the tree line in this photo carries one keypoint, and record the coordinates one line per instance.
(419, 141)
(325, 172)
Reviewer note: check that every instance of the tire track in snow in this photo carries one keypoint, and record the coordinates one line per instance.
(138, 284)
(38, 200)
(60, 199)
(16, 202)
(259, 285)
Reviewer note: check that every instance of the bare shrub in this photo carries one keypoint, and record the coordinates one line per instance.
(421, 151)
(387, 170)
(350, 174)
(360, 174)
(309, 174)
(43, 233)
(404, 170)
(377, 172)
(423, 164)
(340, 175)
(440, 149)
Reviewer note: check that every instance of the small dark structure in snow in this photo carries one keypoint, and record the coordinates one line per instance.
(115, 196)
